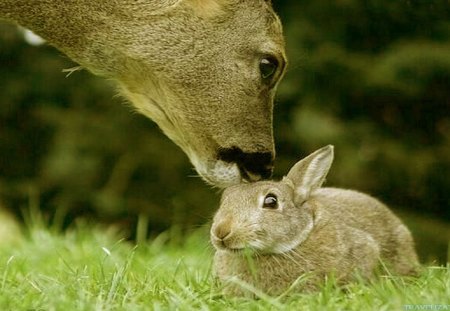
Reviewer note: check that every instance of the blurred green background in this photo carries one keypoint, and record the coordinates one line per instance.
(370, 77)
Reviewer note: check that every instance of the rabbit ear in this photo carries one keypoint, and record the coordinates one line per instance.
(309, 173)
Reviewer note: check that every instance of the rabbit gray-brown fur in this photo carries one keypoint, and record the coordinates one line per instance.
(293, 227)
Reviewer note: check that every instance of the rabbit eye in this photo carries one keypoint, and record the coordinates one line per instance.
(270, 201)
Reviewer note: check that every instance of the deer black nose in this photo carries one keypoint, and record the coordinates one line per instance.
(252, 165)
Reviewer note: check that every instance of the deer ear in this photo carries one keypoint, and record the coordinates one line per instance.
(309, 173)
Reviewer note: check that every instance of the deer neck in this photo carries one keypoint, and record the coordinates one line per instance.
(90, 32)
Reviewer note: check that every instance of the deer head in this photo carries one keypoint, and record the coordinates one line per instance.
(204, 70)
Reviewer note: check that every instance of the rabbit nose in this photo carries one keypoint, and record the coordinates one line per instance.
(222, 230)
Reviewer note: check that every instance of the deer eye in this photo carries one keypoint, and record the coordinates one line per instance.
(268, 67)
(270, 201)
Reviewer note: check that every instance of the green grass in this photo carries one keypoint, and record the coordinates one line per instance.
(90, 268)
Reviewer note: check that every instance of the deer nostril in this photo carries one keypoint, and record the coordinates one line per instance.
(252, 165)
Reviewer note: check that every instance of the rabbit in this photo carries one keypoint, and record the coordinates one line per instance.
(268, 234)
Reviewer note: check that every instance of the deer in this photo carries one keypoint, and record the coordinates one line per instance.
(205, 71)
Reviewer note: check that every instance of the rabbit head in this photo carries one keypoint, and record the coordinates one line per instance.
(270, 216)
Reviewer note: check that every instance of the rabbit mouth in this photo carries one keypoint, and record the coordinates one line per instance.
(236, 250)
(232, 246)
(241, 251)
(244, 249)
(223, 245)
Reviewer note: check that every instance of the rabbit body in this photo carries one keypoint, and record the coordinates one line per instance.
(313, 232)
